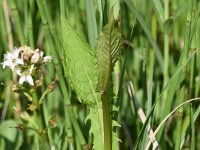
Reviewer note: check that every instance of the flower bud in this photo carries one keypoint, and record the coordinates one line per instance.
(25, 116)
(36, 56)
(47, 59)
(14, 87)
(26, 52)
(52, 122)
(31, 107)
(39, 82)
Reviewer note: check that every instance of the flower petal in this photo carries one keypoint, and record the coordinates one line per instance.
(18, 71)
(30, 80)
(15, 53)
(8, 56)
(47, 59)
(6, 63)
(31, 69)
(22, 79)
(12, 66)
(19, 61)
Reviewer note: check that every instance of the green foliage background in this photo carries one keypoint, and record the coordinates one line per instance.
(160, 56)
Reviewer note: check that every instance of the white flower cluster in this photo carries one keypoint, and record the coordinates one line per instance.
(25, 60)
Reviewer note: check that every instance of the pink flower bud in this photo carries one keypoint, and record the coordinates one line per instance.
(35, 58)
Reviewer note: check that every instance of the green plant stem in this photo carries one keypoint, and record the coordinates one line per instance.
(166, 47)
(106, 121)
(7, 38)
(192, 89)
(68, 123)
(42, 97)
(30, 27)
(180, 117)
(54, 34)
(152, 41)
(182, 84)
(192, 94)
(70, 136)
(76, 126)
(18, 22)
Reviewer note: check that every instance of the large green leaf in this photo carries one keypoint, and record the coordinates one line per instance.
(80, 65)
(107, 52)
(81, 70)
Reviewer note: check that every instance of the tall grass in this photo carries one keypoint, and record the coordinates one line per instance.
(160, 57)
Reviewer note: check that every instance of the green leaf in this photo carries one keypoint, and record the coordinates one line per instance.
(10, 134)
(107, 53)
(96, 129)
(81, 70)
(80, 65)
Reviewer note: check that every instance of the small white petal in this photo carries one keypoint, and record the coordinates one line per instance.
(47, 59)
(6, 63)
(19, 61)
(22, 79)
(31, 69)
(41, 54)
(11, 59)
(30, 80)
(12, 66)
(8, 56)
(18, 72)
(15, 53)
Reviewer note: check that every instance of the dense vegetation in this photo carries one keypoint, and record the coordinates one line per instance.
(97, 74)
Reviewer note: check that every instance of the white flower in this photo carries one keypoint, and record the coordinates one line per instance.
(11, 59)
(47, 59)
(26, 76)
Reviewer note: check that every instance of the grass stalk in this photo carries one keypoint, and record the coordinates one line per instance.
(30, 27)
(192, 108)
(18, 23)
(178, 79)
(151, 40)
(166, 46)
(59, 70)
(193, 74)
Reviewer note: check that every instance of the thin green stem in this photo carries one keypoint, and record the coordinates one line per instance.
(180, 118)
(192, 94)
(178, 79)
(18, 22)
(76, 126)
(106, 122)
(42, 97)
(30, 27)
(166, 46)
(182, 84)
